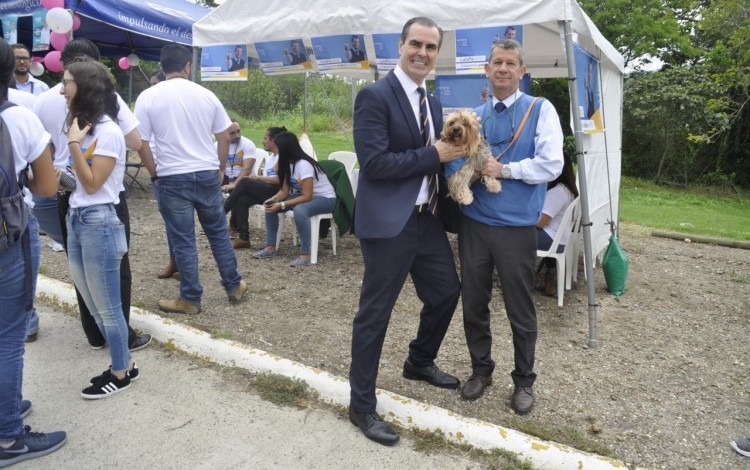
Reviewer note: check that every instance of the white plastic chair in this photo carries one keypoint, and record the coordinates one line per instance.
(354, 180)
(560, 258)
(315, 232)
(258, 209)
(349, 159)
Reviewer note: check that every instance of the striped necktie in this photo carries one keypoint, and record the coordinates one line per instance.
(424, 129)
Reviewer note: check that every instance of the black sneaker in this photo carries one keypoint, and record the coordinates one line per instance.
(133, 373)
(140, 342)
(31, 445)
(25, 408)
(105, 385)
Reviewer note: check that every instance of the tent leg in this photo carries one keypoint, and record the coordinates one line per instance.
(581, 159)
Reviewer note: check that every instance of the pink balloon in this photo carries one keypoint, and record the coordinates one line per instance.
(123, 63)
(53, 62)
(58, 40)
(76, 21)
(48, 4)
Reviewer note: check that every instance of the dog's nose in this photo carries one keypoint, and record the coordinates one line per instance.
(456, 131)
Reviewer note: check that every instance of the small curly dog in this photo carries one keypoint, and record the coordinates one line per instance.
(462, 127)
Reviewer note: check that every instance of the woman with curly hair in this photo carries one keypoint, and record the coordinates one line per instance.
(96, 237)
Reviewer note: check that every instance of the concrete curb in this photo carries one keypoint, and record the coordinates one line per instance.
(396, 408)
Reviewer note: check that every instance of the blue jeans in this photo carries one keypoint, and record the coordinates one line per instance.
(96, 245)
(45, 210)
(36, 252)
(157, 196)
(182, 196)
(302, 213)
(13, 319)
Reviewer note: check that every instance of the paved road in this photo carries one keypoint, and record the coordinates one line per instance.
(181, 415)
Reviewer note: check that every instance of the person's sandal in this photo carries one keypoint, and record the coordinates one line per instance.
(300, 262)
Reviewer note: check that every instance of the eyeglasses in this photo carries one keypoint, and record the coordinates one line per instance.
(23, 59)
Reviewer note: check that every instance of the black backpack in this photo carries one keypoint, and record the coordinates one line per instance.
(14, 213)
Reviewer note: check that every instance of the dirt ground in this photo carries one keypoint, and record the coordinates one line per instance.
(667, 386)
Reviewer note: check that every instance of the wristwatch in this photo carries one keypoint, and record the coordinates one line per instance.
(283, 206)
(505, 172)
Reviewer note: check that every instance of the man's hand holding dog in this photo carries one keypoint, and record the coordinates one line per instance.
(492, 168)
(449, 152)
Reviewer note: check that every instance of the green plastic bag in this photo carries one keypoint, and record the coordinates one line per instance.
(615, 267)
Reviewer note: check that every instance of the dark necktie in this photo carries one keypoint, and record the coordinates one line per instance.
(500, 107)
(424, 129)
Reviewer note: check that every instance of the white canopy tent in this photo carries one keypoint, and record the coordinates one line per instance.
(550, 29)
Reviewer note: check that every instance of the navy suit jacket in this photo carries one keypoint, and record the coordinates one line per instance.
(392, 157)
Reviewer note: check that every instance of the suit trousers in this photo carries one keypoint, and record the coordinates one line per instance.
(421, 250)
(512, 252)
(90, 328)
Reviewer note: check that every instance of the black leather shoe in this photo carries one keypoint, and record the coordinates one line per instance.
(140, 342)
(523, 400)
(431, 375)
(474, 387)
(374, 428)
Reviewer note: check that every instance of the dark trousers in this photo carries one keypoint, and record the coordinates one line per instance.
(247, 193)
(93, 334)
(422, 251)
(512, 252)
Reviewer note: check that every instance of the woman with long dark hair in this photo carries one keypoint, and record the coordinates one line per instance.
(305, 190)
(560, 194)
(96, 237)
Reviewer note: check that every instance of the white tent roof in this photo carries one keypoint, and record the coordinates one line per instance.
(242, 22)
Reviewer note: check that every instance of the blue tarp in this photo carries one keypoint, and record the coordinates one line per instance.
(120, 27)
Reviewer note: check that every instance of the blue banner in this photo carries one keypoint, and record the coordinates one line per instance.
(457, 92)
(589, 101)
(473, 45)
(286, 56)
(340, 52)
(386, 51)
(224, 63)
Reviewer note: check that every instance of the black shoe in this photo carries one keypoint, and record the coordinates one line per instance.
(430, 374)
(523, 400)
(140, 342)
(374, 428)
(31, 338)
(474, 387)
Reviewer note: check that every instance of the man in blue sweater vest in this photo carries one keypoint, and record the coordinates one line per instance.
(498, 229)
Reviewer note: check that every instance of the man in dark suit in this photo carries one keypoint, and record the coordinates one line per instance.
(399, 232)
(353, 52)
(295, 56)
(236, 62)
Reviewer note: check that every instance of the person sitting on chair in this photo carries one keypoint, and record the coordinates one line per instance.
(241, 157)
(560, 194)
(305, 190)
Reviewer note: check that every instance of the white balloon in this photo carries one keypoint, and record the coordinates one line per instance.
(59, 20)
(36, 69)
(134, 60)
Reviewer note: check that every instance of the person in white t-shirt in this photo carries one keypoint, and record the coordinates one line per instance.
(560, 194)
(241, 156)
(96, 236)
(52, 110)
(180, 116)
(252, 190)
(29, 144)
(305, 189)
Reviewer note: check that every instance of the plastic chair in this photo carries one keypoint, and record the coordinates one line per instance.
(354, 179)
(315, 235)
(349, 159)
(258, 209)
(560, 258)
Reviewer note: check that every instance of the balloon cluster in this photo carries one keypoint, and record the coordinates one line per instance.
(132, 60)
(61, 24)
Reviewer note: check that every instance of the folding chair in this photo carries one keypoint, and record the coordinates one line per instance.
(131, 180)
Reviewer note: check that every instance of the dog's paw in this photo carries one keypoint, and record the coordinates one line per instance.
(493, 185)
(465, 196)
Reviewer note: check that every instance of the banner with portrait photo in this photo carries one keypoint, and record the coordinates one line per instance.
(457, 92)
(280, 57)
(10, 28)
(589, 101)
(41, 31)
(340, 52)
(386, 51)
(224, 63)
(473, 45)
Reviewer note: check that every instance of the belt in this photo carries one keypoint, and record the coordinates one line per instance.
(419, 208)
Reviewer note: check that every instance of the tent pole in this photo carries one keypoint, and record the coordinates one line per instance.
(195, 65)
(304, 107)
(130, 85)
(581, 159)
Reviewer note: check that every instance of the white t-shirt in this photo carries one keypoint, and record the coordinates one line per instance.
(21, 98)
(52, 110)
(270, 166)
(110, 142)
(238, 152)
(181, 117)
(556, 202)
(28, 139)
(303, 170)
